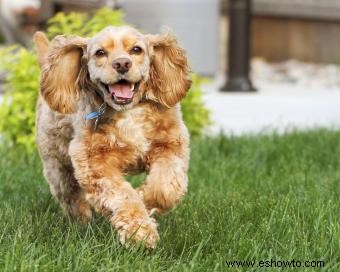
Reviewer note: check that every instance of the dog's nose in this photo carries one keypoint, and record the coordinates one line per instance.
(122, 65)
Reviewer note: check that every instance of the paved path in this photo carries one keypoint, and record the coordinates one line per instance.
(275, 107)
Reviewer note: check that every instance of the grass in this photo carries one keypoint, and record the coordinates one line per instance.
(250, 198)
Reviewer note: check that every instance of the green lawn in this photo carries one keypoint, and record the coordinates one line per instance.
(250, 198)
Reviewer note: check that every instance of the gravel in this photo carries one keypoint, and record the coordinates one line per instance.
(298, 74)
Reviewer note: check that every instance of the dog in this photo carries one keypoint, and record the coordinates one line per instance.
(109, 106)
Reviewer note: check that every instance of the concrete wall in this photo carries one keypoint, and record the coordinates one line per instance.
(195, 23)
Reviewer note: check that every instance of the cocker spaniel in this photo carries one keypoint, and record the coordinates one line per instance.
(108, 107)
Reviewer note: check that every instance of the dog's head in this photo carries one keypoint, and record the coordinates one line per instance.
(124, 65)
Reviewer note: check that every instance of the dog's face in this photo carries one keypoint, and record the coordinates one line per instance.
(122, 64)
(118, 63)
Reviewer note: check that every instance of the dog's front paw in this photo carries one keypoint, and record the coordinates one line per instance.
(142, 230)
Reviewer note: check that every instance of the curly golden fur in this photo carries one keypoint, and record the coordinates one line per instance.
(141, 129)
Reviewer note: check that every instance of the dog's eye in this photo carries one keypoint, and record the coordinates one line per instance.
(136, 50)
(100, 53)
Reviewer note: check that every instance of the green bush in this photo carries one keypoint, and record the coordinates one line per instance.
(76, 23)
(17, 111)
(195, 114)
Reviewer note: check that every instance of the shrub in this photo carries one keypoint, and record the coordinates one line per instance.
(17, 110)
(195, 115)
(76, 23)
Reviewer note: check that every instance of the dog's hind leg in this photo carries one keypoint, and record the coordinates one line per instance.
(66, 189)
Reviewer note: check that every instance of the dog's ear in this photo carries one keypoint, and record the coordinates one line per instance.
(169, 78)
(61, 70)
(42, 43)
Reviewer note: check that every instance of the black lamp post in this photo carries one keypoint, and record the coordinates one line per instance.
(239, 47)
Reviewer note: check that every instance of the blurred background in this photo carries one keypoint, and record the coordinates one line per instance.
(271, 64)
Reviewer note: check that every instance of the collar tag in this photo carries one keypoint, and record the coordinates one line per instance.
(92, 115)
(96, 115)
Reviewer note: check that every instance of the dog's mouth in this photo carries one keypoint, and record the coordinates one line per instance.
(123, 91)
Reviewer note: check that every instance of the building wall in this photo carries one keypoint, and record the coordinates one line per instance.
(195, 23)
(278, 39)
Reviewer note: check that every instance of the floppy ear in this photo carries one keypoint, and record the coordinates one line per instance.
(169, 78)
(61, 69)
(42, 43)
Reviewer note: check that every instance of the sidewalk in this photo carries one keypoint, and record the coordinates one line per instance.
(275, 107)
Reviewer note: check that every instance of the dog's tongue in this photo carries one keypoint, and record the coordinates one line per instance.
(121, 90)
